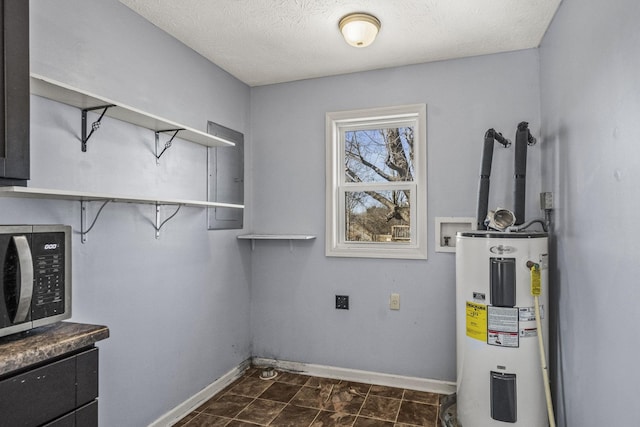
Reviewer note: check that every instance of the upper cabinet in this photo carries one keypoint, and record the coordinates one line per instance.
(14, 84)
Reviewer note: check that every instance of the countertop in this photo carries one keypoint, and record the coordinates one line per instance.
(39, 344)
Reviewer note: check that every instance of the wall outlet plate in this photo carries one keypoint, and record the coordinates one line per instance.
(394, 302)
(342, 302)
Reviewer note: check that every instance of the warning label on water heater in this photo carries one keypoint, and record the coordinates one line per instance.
(477, 321)
(502, 327)
(502, 339)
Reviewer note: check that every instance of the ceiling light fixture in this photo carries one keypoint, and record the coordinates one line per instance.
(359, 29)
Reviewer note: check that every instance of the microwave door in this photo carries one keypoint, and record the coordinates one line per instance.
(26, 279)
(18, 280)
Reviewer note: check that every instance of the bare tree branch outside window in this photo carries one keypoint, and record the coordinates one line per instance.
(378, 156)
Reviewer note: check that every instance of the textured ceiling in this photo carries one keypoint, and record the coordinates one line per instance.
(272, 41)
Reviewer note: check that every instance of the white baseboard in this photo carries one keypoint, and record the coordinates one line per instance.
(186, 407)
(400, 381)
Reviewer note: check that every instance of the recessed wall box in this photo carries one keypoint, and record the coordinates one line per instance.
(446, 229)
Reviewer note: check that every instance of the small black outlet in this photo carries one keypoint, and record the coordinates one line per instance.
(342, 302)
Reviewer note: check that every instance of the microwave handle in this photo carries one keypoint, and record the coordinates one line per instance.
(26, 278)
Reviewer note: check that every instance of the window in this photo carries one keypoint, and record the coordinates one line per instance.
(377, 183)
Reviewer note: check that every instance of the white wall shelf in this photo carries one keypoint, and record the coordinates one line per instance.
(85, 197)
(289, 237)
(45, 193)
(86, 101)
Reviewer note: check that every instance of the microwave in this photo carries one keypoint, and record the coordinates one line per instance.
(35, 281)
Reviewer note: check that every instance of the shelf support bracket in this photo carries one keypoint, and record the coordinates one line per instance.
(160, 224)
(84, 230)
(94, 126)
(167, 144)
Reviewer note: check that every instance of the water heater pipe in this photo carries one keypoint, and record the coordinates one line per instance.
(543, 222)
(485, 173)
(523, 138)
(543, 360)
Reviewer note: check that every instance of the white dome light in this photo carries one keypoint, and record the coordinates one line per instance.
(359, 29)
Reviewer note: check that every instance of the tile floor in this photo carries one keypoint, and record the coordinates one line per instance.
(303, 401)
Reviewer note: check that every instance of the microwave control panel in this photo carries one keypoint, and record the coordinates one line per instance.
(48, 274)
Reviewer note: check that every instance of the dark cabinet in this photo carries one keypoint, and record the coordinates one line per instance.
(60, 393)
(14, 81)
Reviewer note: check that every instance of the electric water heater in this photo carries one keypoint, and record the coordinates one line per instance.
(500, 378)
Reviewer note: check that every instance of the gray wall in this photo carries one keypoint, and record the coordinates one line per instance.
(293, 314)
(590, 108)
(177, 307)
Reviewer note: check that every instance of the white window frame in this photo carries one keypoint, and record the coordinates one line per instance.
(336, 187)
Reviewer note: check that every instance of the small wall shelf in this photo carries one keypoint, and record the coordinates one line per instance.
(446, 229)
(84, 197)
(289, 237)
(85, 101)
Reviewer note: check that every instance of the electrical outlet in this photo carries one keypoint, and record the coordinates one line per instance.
(394, 302)
(342, 302)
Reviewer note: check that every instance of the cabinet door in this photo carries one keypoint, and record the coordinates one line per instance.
(38, 396)
(87, 416)
(14, 81)
(87, 376)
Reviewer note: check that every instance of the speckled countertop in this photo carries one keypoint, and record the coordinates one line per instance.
(27, 348)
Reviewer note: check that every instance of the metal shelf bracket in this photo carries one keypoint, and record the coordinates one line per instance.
(94, 126)
(85, 227)
(84, 230)
(167, 144)
(159, 224)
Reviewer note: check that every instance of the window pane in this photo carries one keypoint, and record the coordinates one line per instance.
(377, 216)
(379, 155)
